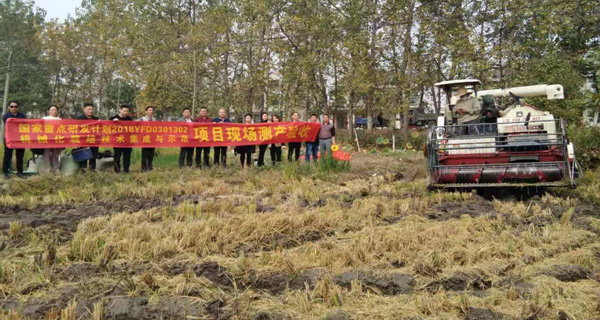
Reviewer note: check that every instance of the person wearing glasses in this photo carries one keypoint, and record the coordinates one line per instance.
(13, 112)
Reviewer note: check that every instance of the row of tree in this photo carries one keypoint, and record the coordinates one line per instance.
(351, 57)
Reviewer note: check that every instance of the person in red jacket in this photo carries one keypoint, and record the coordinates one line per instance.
(203, 118)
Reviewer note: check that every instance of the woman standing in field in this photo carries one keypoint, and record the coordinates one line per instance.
(51, 155)
(294, 147)
(246, 151)
(148, 153)
(262, 149)
(276, 147)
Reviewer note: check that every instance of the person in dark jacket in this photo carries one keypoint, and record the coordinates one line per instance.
(13, 112)
(262, 149)
(124, 152)
(326, 137)
(221, 152)
(203, 151)
(148, 153)
(246, 151)
(88, 114)
(186, 153)
(294, 147)
(276, 147)
(312, 147)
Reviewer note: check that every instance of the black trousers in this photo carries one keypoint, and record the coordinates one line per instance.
(200, 151)
(126, 153)
(246, 156)
(221, 156)
(186, 154)
(8, 159)
(262, 149)
(147, 158)
(275, 154)
(294, 148)
(92, 161)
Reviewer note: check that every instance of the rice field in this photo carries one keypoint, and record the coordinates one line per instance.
(366, 241)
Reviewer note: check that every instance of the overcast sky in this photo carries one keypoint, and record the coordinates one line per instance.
(58, 8)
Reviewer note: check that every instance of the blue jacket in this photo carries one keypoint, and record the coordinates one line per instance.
(10, 115)
(218, 120)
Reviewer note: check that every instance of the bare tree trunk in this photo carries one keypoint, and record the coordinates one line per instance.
(421, 95)
(351, 121)
(226, 74)
(371, 93)
(408, 67)
(6, 88)
(307, 105)
(436, 108)
(195, 93)
(324, 94)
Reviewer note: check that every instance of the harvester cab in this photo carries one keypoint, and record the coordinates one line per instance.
(513, 145)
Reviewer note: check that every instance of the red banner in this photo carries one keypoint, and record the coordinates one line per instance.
(41, 134)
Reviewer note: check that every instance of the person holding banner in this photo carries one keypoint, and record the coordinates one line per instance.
(148, 153)
(276, 147)
(312, 147)
(51, 155)
(122, 152)
(200, 151)
(262, 149)
(186, 153)
(246, 151)
(88, 114)
(13, 112)
(221, 152)
(294, 147)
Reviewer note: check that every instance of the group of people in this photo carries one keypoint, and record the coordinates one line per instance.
(51, 155)
(122, 156)
(325, 139)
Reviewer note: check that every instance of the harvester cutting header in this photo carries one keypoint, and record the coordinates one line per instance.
(478, 144)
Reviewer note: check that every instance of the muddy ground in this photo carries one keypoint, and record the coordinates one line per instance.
(130, 290)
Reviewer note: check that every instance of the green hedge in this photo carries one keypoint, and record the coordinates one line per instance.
(587, 145)
(381, 139)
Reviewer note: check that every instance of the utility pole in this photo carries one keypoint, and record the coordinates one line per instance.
(6, 87)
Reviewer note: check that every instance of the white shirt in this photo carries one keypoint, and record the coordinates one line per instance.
(51, 118)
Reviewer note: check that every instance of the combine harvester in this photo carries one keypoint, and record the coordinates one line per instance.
(519, 147)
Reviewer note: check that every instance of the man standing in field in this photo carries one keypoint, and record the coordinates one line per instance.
(203, 118)
(326, 136)
(88, 114)
(13, 112)
(186, 153)
(125, 152)
(221, 152)
(148, 153)
(312, 147)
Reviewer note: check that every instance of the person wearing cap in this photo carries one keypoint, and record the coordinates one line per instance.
(468, 110)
